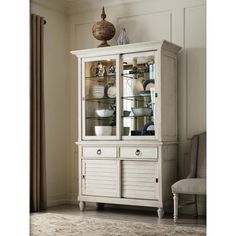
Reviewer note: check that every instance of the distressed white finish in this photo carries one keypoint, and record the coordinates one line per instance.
(99, 178)
(137, 152)
(176, 200)
(132, 172)
(98, 151)
(139, 180)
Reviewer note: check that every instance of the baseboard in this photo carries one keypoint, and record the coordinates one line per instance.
(56, 200)
(61, 199)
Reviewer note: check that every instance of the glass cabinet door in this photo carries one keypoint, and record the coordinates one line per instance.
(99, 95)
(139, 95)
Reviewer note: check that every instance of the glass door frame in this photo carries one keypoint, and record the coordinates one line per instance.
(115, 57)
(157, 115)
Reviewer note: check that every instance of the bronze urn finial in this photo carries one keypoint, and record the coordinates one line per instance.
(103, 30)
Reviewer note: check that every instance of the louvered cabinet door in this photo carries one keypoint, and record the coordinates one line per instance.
(99, 178)
(139, 180)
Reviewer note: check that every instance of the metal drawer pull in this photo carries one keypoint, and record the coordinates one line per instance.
(137, 153)
(99, 151)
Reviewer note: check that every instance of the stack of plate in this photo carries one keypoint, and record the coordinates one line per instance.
(98, 91)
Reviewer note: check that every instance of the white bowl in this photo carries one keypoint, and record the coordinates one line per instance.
(103, 130)
(104, 112)
(142, 111)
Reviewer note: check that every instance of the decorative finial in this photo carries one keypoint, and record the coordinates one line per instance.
(103, 30)
(103, 15)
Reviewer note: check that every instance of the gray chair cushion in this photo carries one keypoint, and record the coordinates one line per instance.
(190, 186)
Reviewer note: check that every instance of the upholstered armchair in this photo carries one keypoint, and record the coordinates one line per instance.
(195, 182)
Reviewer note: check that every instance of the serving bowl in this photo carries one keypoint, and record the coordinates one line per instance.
(104, 112)
(126, 113)
(103, 130)
(142, 111)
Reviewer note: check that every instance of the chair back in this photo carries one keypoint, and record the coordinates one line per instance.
(198, 157)
(201, 157)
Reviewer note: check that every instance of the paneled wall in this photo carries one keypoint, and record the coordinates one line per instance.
(182, 22)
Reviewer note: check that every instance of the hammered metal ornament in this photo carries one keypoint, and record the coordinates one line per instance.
(103, 30)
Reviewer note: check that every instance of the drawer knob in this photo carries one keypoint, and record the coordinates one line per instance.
(137, 153)
(99, 151)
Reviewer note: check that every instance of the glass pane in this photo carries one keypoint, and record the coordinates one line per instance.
(100, 98)
(138, 95)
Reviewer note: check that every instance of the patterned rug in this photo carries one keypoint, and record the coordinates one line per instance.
(45, 224)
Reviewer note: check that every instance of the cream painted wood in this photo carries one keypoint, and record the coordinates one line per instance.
(176, 201)
(139, 179)
(99, 178)
(82, 206)
(138, 152)
(98, 152)
(160, 212)
(134, 170)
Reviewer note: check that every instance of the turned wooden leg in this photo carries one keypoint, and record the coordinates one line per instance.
(176, 202)
(160, 212)
(82, 206)
(195, 203)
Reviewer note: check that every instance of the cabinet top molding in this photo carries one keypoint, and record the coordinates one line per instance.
(128, 48)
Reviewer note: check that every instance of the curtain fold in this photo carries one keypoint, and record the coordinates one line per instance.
(37, 120)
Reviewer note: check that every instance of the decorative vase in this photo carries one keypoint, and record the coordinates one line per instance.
(123, 38)
(103, 30)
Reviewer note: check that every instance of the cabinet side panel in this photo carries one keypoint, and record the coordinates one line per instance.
(169, 159)
(169, 96)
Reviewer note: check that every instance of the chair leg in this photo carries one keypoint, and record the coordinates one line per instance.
(176, 202)
(195, 203)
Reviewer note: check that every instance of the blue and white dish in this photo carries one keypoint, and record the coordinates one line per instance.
(147, 84)
(110, 90)
(149, 126)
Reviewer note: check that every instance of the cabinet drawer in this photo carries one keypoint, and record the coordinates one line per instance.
(98, 151)
(138, 152)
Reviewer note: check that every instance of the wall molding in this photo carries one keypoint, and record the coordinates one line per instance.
(59, 6)
(80, 6)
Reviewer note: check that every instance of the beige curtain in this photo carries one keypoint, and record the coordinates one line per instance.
(37, 123)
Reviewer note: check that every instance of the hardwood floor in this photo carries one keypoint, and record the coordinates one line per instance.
(128, 214)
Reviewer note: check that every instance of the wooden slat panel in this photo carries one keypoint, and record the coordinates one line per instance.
(139, 183)
(102, 193)
(139, 179)
(138, 175)
(99, 173)
(138, 164)
(139, 188)
(99, 180)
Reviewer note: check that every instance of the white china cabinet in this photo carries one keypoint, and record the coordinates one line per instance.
(127, 124)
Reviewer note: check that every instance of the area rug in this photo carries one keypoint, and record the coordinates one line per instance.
(45, 224)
